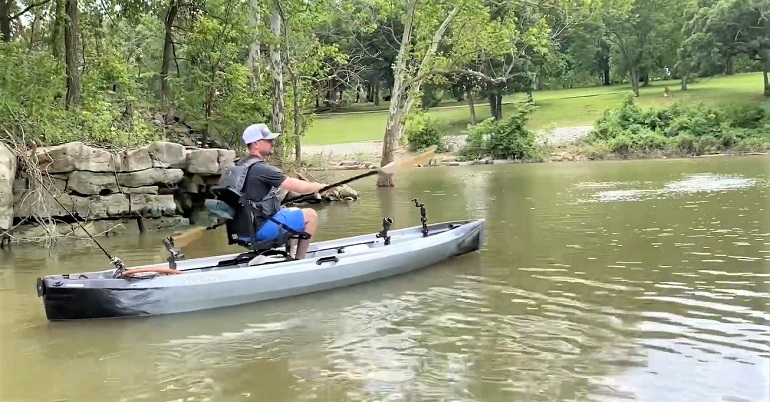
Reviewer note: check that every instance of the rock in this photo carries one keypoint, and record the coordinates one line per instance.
(40, 203)
(101, 207)
(8, 165)
(172, 155)
(72, 156)
(209, 161)
(134, 160)
(87, 183)
(150, 205)
(193, 184)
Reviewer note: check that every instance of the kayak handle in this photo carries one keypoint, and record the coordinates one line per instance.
(326, 259)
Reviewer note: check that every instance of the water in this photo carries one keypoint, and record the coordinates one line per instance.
(616, 281)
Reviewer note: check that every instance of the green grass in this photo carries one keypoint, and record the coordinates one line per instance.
(559, 108)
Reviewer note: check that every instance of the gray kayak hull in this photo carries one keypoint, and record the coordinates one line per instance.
(216, 282)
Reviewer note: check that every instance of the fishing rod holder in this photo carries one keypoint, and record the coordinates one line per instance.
(386, 223)
(423, 217)
(174, 254)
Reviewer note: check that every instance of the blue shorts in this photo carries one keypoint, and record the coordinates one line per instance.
(293, 218)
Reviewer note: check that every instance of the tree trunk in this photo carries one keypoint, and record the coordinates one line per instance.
(495, 103)
(471, 106)
(634, 76)
(402, 97)
(56, 32)
(394, 125)
(255, 18)
(5, 20)
(70, 54)
(766, 59)
(683, 85)
(606, 81)
(299, 123)
(276, 64)
(36, 23)
(168, 54)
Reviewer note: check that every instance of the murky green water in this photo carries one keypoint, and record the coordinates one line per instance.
(643, 281)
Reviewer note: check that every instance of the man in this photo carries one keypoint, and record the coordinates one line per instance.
(262, 179)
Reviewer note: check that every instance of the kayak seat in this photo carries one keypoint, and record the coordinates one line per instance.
(279, 246)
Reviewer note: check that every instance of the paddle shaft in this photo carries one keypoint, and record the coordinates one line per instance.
(346, 181)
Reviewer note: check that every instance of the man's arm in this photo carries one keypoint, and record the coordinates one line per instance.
(276, 178)
(301, 186)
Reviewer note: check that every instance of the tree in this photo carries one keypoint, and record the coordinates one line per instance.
(723, 29)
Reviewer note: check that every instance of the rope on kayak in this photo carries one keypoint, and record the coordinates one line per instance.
(155, 270)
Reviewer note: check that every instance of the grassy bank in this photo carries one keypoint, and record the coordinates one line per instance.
(560, 108)
(627, 131)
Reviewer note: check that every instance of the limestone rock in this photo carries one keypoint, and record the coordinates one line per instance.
(342, 192)
(8, 164)
(72, 156)
(134, 160)
(209, 161)
(193, 184)
(38, 202)
(88, 183)
(172, 155)
(155, 206)
(101, 207)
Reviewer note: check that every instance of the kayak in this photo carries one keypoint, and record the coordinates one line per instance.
(253, 276)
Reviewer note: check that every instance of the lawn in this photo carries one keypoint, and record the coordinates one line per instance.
(556, 108)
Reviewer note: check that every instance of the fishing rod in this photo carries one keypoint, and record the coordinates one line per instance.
(114, 260)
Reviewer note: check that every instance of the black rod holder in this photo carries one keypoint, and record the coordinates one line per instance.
(386, 223)
(423, 217)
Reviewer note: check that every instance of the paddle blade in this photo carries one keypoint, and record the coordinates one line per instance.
(188, 237)
(410, 162)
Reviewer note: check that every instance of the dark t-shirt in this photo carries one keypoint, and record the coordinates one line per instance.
(259, 181)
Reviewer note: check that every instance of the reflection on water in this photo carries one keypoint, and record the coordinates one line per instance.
(576, 296)
(691, 183)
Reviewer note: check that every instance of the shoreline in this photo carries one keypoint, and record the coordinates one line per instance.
(563, 144)
(449, 160)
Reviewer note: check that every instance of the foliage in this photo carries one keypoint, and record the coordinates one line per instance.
(423, 132)
(30, 102)
(503, 139)
(681, 129)
(207, 64)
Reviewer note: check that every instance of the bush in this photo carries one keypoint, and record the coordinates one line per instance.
(505, 139)
(679, 128)
(423, 132)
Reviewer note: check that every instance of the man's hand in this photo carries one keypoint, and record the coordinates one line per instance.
(319, 186)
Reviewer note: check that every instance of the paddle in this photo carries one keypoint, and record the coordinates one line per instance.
(400, 165)
(391, 168)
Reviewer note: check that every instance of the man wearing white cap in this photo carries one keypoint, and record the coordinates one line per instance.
(263, 178)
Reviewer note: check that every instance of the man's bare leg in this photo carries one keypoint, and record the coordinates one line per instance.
(311, 224)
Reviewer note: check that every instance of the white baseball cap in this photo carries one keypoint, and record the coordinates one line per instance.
(256, 132)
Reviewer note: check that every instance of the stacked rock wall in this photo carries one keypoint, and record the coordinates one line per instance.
(141, 189)
(159, 186)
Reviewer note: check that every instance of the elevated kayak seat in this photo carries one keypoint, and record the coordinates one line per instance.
(280, 246)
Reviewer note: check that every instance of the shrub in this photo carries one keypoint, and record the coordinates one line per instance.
(507, 138)
(423, 132)
(689, 129)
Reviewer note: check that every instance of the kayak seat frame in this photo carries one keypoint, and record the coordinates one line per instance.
(279, 246)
